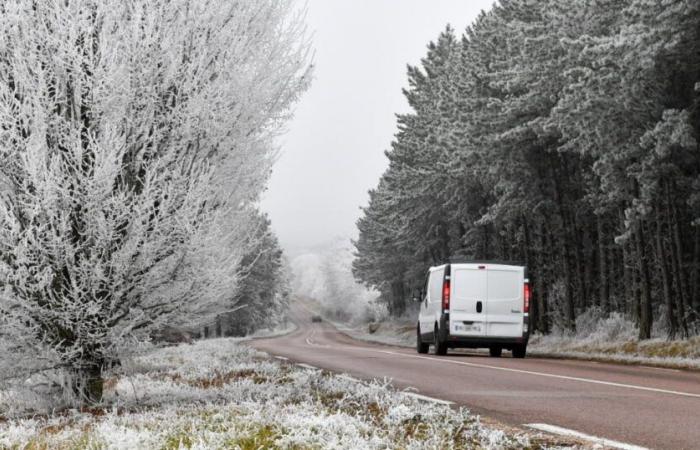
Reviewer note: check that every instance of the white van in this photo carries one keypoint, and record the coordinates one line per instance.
(474, 304)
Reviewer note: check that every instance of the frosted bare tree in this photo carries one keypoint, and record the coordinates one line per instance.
(134, 135)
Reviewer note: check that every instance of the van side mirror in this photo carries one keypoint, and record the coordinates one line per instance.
(417, 295)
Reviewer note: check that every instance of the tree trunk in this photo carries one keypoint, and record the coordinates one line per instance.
(218, 327)
(629, 289)
(485, 245)
(663, 264)
(603, 267)
(677, 259)
(540, 294)
(566, 237)
(645, 315)
(569, 309)
(694, 285)
(588, 266)
(397, 293)
(88, 385)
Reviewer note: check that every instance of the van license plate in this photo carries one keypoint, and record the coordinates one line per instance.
(468, 328)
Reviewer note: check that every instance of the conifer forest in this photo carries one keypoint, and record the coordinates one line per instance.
(560, 134)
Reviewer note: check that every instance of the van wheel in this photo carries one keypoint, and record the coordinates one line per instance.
(495, 352)
(519, 351)
(440, 346)
(421, 347)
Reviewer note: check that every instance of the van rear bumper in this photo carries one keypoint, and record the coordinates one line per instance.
(480, 341)
(485, 342)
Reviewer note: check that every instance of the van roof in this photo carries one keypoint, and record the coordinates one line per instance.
(463, 260)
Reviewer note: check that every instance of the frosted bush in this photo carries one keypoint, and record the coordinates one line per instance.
(615, 327)
(588, 321)
(375, 312)
(595, 324)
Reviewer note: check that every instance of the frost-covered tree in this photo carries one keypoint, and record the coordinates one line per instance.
(324, 274)
(132, 136)
(262, 296)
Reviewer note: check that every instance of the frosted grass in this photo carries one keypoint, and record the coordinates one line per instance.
(223, 394)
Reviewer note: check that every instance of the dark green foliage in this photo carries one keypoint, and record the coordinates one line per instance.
(562, 134)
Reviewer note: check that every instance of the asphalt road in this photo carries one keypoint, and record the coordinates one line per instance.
(642, 406)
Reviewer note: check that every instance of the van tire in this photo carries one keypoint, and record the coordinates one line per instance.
(519, 351)
(440, 345)
(495, 351)
(421, 347)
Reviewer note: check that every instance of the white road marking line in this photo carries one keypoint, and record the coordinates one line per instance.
(281, 358)
(661, 368)
(428, 399)
(349, 378)
(312, 343)
(308, 338)
(586, 437)
(308, 366)
(548, 375)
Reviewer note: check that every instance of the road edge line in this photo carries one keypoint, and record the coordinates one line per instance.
(547, 375)
(308, 366)
(348, 378)
(428, 399)
(553, 429)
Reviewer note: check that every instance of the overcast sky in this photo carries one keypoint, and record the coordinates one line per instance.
(334, 150)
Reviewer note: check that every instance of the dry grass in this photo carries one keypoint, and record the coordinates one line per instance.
(677, 354)
(218, 379)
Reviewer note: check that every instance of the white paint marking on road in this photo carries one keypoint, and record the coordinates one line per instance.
(311, 342)
(308, 366)
(661, 368)
(349, 378)
(548, 375)
(281, 358)
(586, 437)
(428, 399)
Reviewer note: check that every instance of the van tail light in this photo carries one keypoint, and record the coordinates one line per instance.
(526, 298)
(446, 294)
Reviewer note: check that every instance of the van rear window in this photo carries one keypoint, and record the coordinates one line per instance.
(504, 284)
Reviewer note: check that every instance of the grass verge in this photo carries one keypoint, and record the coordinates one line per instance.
(221, 394)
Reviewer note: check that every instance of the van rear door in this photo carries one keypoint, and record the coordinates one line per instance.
(504, 309)
(468, 300)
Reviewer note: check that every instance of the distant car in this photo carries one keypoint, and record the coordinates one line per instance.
(472, 304)
(316, 318)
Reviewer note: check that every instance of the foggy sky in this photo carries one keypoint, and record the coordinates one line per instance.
(333, 152)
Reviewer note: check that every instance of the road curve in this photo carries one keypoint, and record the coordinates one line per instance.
(643, 406)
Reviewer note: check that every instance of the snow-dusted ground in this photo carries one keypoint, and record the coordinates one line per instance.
(222, 394)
